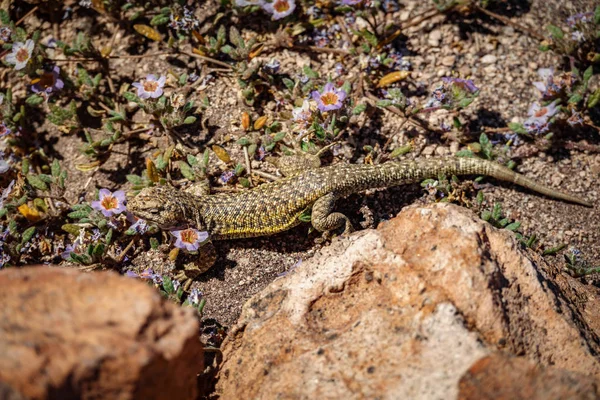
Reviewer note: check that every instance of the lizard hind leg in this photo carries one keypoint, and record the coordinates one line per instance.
(294, 164)
(324, 220)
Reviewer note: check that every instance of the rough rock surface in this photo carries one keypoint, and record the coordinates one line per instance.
(498, 377)
(66, 334)
(403, 312)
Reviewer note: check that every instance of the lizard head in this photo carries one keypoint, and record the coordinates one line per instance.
(159, 205)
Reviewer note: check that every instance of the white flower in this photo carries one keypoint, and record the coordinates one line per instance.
(21, 54)
(302, 115)
(151, 87)
(280, 8)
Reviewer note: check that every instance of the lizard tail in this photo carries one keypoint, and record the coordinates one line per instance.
(500, 172)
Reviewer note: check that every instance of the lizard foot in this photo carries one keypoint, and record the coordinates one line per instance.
(196, 264)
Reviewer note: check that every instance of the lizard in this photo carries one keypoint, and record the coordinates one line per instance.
(277, 206)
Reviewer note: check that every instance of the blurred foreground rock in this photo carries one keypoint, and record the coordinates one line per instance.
(66, 334)
(404, 311)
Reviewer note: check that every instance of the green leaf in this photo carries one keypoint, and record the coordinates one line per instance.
(384, 103)
(186, 170)
(25, 166)
(55, 169)
(243, 141)
(370, 37)
(189, 120)
(594, 99)
(154, 243)
(497, 211)
(597, 15)
(359, 109)
(575, 98)
(234, 37)
(98, 249)
(4, 17)
(484, 140)
(279, 136)
(288, 83)
(135, 179)
(193, 161)
(34, 100)
(552, 251)
(132, 97)
(517, 128)
(78, 214)
(28, 234)
(464, 153)
(45, 178)
(480, 197)
(486, 215)
(555, 31)
(168, 285)
(399, 151)
(108, 238)
(36, 182)
(513, 227)
(159, 19)
(588, 74)
(309, 72)
(40, 204)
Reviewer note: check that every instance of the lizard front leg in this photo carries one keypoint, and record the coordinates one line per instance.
(196, 264)
(324, 220)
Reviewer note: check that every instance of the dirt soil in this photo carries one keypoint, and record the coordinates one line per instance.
(503, 63)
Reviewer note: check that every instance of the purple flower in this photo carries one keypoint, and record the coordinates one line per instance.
(261, 153)
(74, 247)
(140, 226)
(330, 98)
(539, 117)
(226, 176)
(350, 2)
(49, 82)
(21, 54)
(547, 86)
(280, 8)
(4, 130)
(466, 85)
(150, 87)
(6, 193)
(4, 166)
(131, 274)
(110, 203)
(575, 119)
(578, 36)
(272, 67)
(5, 33)
(189, 239)
(580, 17)
(194, 297)
(4, 258)
(146, 274)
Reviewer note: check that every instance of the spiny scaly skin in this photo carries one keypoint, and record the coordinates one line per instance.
(275, 207)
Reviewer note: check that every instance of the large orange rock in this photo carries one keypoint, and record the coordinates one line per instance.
(498, 377)
(66, 334)
(402, 312)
